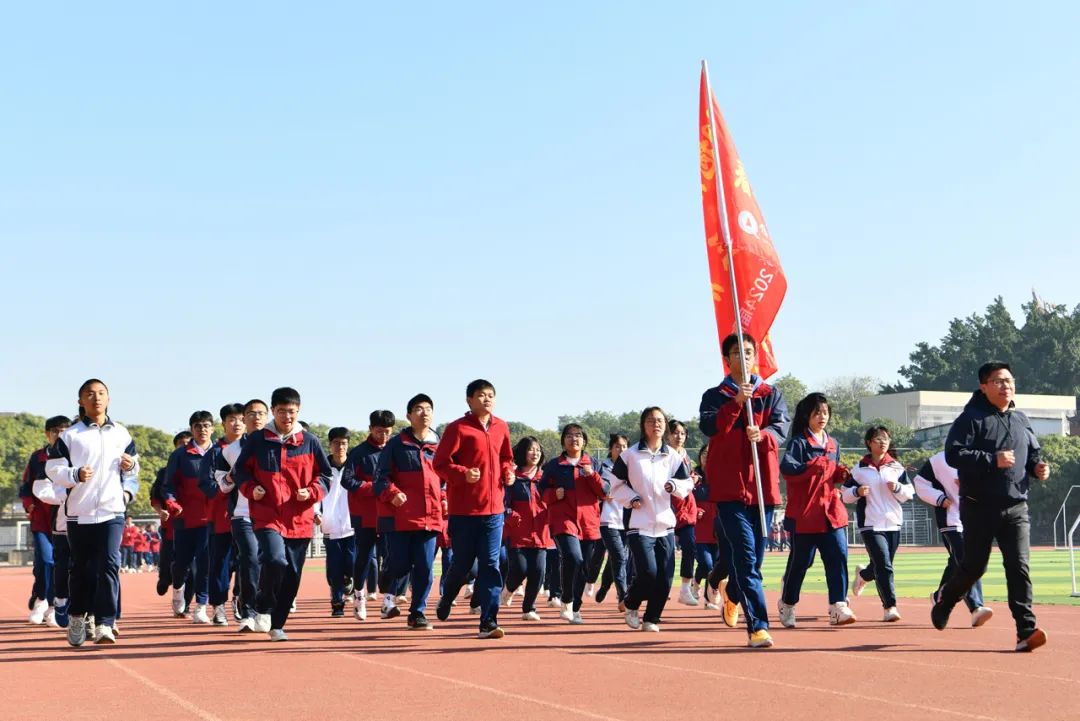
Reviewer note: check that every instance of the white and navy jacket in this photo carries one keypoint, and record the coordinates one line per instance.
(881, 510)
(53, 494)
(641, 476)
(611, 513)
(223, 465)
(334, 509)
(87, 444)
(936, 482)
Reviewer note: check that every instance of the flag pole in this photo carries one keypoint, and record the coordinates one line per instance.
(726, 231)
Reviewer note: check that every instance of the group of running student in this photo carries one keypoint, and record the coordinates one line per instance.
(506, 517)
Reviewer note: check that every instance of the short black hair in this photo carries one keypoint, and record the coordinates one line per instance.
(615, 438)
(732, 342)
(304, 425)
(874, 431)
(231, 409)
(417, 400)
(381, 419)
(521, 448)
(57, 422)
(672, 424)
(988, 369)
(478, 385)
(199, 417)
(252, 402)
(181, 438)
(573, 427)
(284, 396)
(645, 414)
(339, 432)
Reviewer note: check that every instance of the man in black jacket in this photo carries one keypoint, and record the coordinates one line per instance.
(994, 451)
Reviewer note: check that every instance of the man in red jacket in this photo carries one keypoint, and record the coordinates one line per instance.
(477, 463)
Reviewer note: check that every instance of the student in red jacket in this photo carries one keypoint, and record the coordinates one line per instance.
(41, 516)
(283, 471)
(128, 564)
(706, 548)
(815, 513)
(141, 546)
(572, 492)
(217, 512)
(476, 461)
(686, 513)
(406, 481)
(527, 529)
(731, 477)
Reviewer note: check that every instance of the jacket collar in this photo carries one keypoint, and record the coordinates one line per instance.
(729, 388)
(296, 438)
(90, 424)
(644, 448)
(868, 461)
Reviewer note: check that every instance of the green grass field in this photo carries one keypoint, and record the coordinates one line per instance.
(918, 573)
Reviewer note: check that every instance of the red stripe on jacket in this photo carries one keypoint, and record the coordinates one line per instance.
(578, 513)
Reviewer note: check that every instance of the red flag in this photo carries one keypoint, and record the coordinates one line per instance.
(759, 278)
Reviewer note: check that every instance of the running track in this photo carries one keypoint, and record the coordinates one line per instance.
(163, 668)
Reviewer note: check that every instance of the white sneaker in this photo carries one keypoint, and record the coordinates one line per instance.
(247, 625)
(506, 597)
(530, 616)
(695, 591)
(590, 588)
(373, 596)
(633, 619)
(576, 619)
(468, 591)
(278, 634)
(979, 616)
(178, 602)
(37, 616)
(840, 614)
(650, 627)
(567, 612)
(292, 609)
(891, 614)
(787, 614)
(474, 610)
(520, 591)
(686, 598)
(104, 634)
(50, 618)
(857, 582)
(198, 614)
(220, 619)
(402, 599)
(262, 622)
(76, 631)
(360, 608)
(554, 602)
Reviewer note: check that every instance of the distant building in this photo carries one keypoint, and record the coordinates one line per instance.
(930, 413)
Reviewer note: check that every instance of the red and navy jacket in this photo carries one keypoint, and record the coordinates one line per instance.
(157, 501)
(526, 524)
(467, 444)
(405, 466)
(685, 511)
(41, 515)
(127, 537)
(812, 471)
(730, 464)
(180, 492)
(704, 528)
(358, 479)
(154, 539)
(282, 467)
(217, 503)
(142, 541)
(578, 513)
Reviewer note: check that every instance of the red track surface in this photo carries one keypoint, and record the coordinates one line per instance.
(163, 668)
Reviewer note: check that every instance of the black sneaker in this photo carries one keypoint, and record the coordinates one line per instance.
(163, 585)
(490, 629)
(939, 616)
(418, 622)
(602, 593)
(442, 611)
(337, 610)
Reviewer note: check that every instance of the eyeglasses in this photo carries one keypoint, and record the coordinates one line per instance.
(1002, 382)
(203, 426)
(574, 435)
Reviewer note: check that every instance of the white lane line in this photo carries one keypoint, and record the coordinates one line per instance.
(178, 700)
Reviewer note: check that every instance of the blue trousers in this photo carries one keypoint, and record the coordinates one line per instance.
(340, 564)
(654, 567)
(282, 561)
(247, 566)
(572, 554)
(44, 566)
(741, 527)
(62, 565)
(95, 569)
(553, 573)
(615, 572)
(366, 559)
(528, 565)
(881, 545)
(834, 554)
(688, 548)
(706, 559)
(412, 555)
(221, 554)
(477, 538)
(191, 551)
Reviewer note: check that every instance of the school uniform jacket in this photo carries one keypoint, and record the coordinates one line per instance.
(812, 472)
(881, 510)
(611, 513)
(217, 501)
(937, 482)
(54, 495)
(334, 509)
(467, 444)
(578, 513)
(40, 514)
(183, 500)
(405, 466)
(86, 443)
(157, 502)
(644, 475)
(358, 480)
(730, 464)
(526, 515)
(704, 530)
(282, 466)
(223, 464)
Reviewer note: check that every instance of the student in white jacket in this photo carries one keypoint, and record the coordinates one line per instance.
(96, 461)
(938, 484)
(333, 518)
(648, 474)
(878, 486)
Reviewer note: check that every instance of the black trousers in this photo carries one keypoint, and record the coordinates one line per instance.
(1011, 527)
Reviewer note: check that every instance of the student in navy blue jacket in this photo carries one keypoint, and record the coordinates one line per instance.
(406, 479)
(283, 472)
(221, 540)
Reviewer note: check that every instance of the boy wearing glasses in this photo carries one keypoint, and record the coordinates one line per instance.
(995, 453)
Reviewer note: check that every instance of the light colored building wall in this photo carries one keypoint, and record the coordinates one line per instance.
(922, 409)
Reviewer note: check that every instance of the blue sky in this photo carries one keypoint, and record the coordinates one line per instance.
(199, 203)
